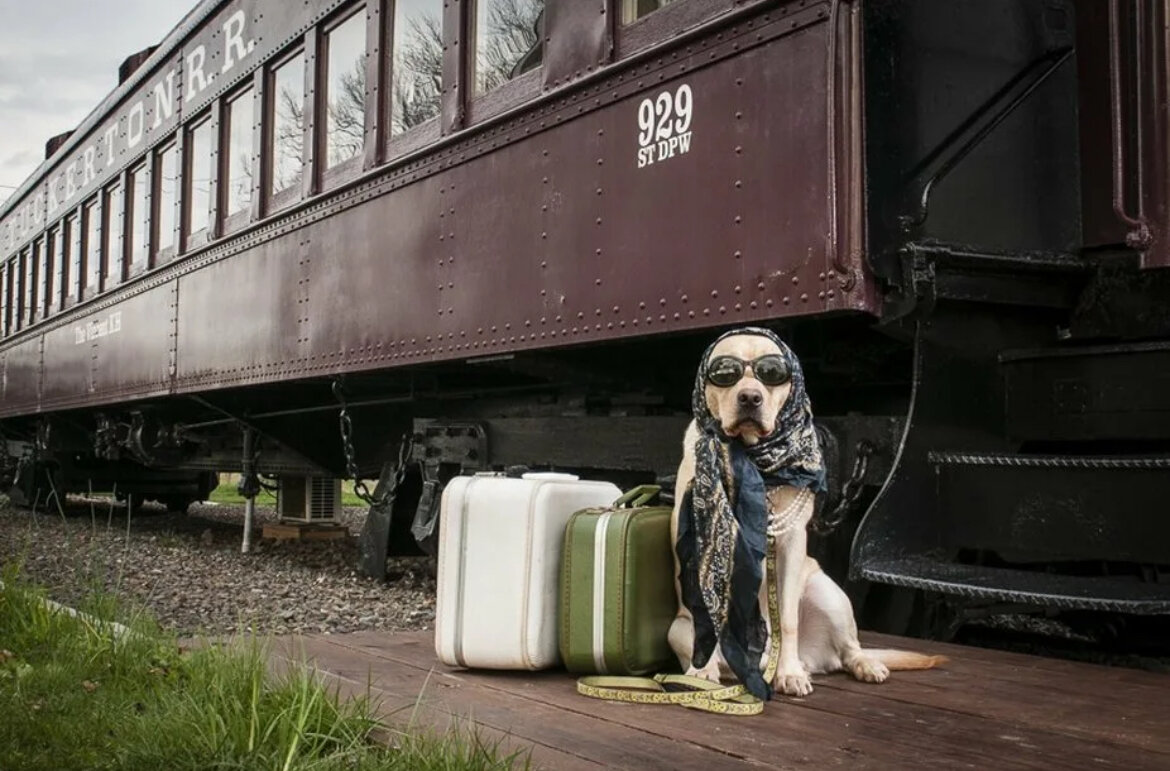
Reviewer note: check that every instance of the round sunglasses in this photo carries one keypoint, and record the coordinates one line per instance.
(725, 371)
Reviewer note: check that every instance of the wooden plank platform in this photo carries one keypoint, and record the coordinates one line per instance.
(984, 709)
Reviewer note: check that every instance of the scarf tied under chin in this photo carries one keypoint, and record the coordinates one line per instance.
(723, 519)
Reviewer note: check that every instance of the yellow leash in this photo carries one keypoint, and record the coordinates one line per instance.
(699, 694)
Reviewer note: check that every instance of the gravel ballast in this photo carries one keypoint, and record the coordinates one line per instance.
(187, 569)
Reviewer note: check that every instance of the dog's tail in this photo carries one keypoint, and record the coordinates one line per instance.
(896, 660)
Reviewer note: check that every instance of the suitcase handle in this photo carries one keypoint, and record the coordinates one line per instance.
(639, 496)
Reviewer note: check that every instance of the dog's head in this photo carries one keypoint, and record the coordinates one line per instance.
(747, 381)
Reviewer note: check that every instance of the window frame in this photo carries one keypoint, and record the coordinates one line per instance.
(195, 239)
(132, 268)
(422, 134)
(20, 312)
(230, 222)
(504, 97)
(5, 297)
(329, 177)
(74, 258)
(51, 281)
(295, 192)
(91, 208)
(154, 255)
(113, 255)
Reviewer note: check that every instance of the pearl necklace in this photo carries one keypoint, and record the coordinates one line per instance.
(781, 522)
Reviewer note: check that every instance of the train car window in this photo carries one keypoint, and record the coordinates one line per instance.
(138, 211)
(197, 193)
(32, 277)
(53, 265)
(72, 278)
(5, 294)
(285, 118)
(166, 191)
(417, 70)
(507, 34)
(238, 133)
(92, 248)
(632, 10)
(345, 89)
(20, 284)
(114, 225)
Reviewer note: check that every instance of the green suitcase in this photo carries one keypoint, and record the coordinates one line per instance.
(617, 588)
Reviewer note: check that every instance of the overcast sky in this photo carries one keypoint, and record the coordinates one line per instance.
(58, 59)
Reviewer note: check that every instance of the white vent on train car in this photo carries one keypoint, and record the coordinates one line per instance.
(309, 499)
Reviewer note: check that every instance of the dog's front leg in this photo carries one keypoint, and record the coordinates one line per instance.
(791, 676)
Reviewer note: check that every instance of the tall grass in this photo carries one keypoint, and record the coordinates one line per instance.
(77, 692)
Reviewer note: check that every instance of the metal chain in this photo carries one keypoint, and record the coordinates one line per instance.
(850, 491)
(386, 497)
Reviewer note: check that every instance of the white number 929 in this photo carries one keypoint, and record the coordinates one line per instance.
(667, 115)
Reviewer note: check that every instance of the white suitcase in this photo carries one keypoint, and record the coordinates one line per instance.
(500, 545)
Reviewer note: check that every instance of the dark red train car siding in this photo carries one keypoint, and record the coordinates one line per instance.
(541, 231)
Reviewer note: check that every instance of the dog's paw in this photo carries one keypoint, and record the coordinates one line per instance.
(793, 682)
(709, 672)
(869, 670)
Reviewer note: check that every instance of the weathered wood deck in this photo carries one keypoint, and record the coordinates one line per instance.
(985, 710)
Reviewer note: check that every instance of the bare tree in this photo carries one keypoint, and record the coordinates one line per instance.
(418, 73)
(511, 33)
(347, 114)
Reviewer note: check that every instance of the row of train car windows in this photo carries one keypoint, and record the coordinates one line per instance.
(169, 202)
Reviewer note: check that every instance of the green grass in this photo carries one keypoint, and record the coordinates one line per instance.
(226, 492)
(75, 694)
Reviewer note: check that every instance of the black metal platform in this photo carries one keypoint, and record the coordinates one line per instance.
(1022, 586)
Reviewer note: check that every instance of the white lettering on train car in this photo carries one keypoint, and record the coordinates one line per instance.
(195, 61)
(164, 99)
(75, 177)
(233, 31)
(135, 125)
(103, 327)
(664, 126)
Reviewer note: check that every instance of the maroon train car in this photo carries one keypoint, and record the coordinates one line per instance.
(498, 233)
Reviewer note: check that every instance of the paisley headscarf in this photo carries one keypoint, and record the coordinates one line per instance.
(724, 516)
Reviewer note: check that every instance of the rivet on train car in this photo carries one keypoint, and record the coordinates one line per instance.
(544, 207)
(597, 281)
(738, 219)
(545, 180)
(820, 295)
(580, 315)
(544, 235)
(822, 277)
(803, 297)
(600, 161)
(832, 274)
(601, 132)
(544, 319)
(796, 279)
(599, 220)
(714, 293)
(738, 184)
(450, 284)
(739, 81)
(737, 254)
(723, 309)
(738, 150)
(543, 292)
(528, 322)
(738, 115)
(597, 252)
(599, 191)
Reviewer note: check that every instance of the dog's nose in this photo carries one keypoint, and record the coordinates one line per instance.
(750, 397)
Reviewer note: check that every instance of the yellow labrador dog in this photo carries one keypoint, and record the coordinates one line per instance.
(750, 391)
